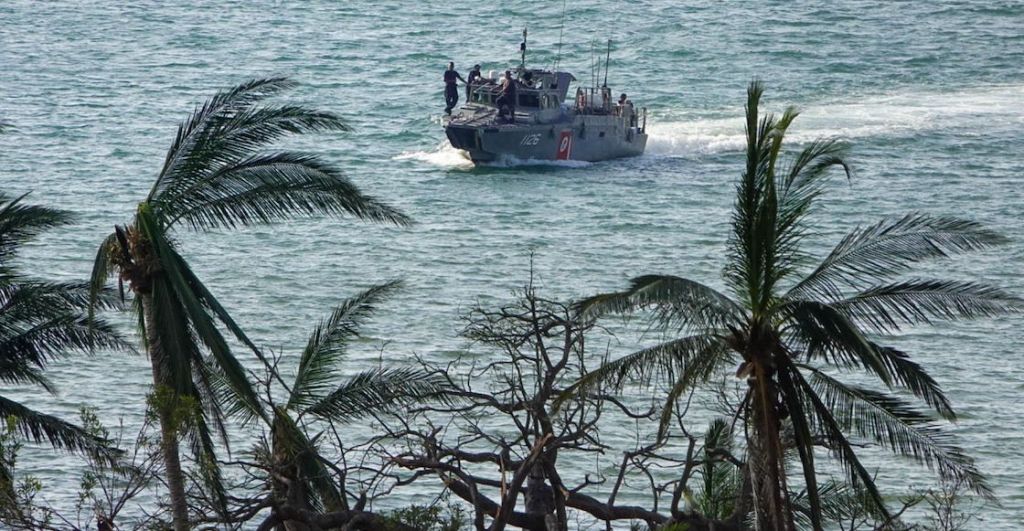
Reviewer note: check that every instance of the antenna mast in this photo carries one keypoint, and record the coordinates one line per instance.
(608, 55)
(561, 26)
(522, 49)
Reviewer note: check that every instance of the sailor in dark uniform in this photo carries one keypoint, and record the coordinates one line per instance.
(451, 90)
(475, 78)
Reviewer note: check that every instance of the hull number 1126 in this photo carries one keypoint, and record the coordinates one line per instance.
(531, 140)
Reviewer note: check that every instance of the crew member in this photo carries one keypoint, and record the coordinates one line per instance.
(507, 100)
(475, 77)
(451, 90)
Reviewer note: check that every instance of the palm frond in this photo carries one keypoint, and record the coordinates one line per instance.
(241, 133)
(215, 176)
(889, 307)
(889, 248)
(720, 480)
(911, 376)
(803, 183)
(821, 331)
(839, 502)
(205, 452)
(102, 267)
(802, 431)
(42, 321)
(272, 187)
(840, 447)
(19, 372)
(172, 342)
(379, 390)
(891, 422)
(328, 341)
(677, 302)
(744, 271)
(63, 435)
(208, 301)
(20, 223)
(692, 358)
(178, 273)
(292, 444)
(197, 128)
(698, 368)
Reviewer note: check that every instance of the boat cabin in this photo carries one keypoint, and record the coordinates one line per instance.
(536, 90)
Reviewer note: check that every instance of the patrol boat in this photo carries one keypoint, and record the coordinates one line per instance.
(542, 124)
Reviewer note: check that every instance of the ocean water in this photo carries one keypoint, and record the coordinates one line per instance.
(929, 94)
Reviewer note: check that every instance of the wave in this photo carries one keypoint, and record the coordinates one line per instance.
(977, 109)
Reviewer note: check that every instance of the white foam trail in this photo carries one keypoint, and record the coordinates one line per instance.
(695, 137)
(444, 155)
(977, 109)
(512, 162)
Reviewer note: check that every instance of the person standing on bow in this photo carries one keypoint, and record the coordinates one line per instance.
(451, 90)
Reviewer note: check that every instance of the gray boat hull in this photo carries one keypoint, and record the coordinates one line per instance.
(574, 137)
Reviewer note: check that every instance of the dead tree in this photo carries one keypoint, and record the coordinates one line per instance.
(504, 448)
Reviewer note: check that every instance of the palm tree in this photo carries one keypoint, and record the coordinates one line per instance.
(315, 399)
(39, 322)
(791, 330)
(216, 175)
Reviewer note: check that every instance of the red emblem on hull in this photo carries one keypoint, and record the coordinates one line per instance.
(564, 146)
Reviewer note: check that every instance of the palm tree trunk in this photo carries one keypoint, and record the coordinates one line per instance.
(168, 429)
(767, 475)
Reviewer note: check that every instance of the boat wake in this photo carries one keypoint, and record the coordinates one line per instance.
(446, 156)
(976, 110)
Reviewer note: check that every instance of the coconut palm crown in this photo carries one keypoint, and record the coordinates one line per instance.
(217, 174)
(791, 328)
(41, 321)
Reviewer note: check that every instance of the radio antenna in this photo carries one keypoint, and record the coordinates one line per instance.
(592, 82)
(522, 49)
(561, 27)
(608, 55)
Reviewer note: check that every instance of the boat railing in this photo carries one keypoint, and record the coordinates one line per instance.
(488, 94)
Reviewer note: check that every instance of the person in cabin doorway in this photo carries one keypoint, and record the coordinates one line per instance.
(474, 78)
(451, 89)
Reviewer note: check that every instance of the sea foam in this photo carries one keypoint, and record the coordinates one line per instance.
(899, 114)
